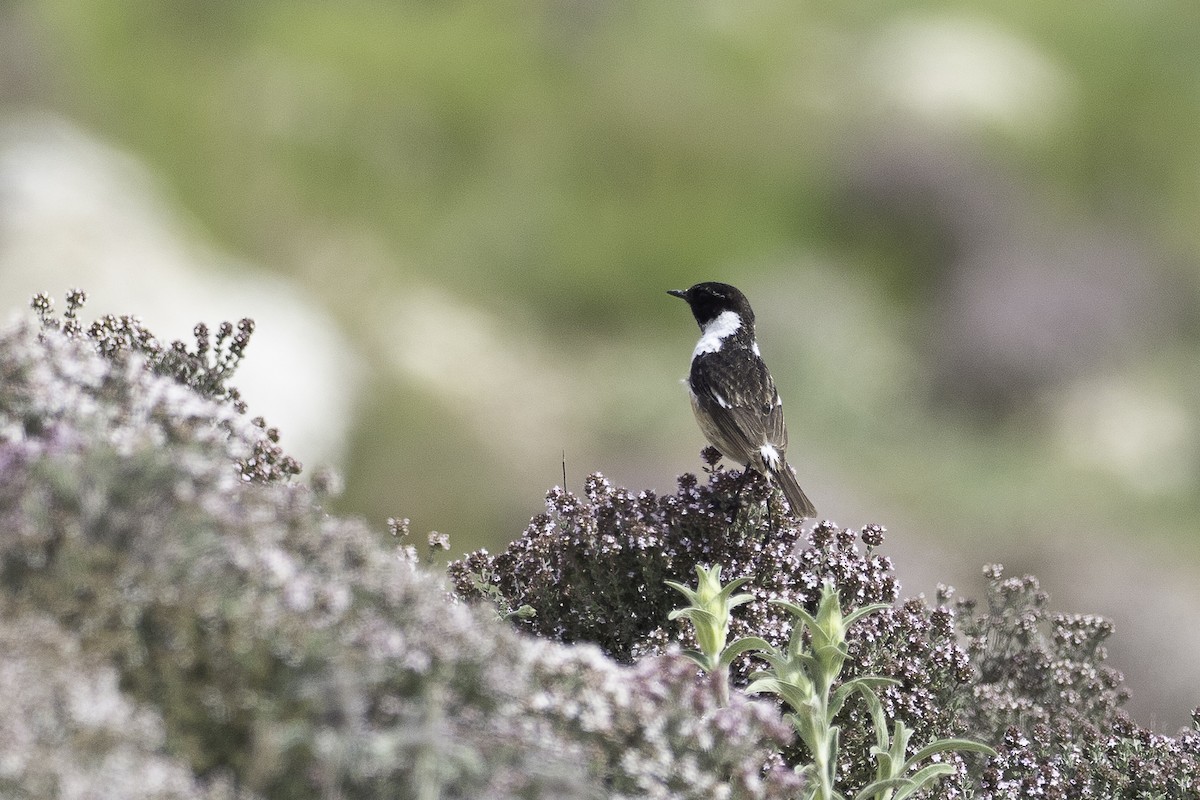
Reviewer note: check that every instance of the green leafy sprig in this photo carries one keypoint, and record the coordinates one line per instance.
(709, 613)
(803, 675)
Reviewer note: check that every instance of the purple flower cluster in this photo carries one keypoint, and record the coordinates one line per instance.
(658, 733)
(205, 369)
(180, 619)
(1012, 673)
(170, 629)
(594, 570)
(1045, 696)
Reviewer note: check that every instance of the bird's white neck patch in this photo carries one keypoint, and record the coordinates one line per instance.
(718, 329)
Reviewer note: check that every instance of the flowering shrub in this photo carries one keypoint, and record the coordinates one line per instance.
(656, 733)
(1045, 697)
(188, 625)
(596, 569)
(68, 731)
(205, 369)
(1032, 684)
(179, 618)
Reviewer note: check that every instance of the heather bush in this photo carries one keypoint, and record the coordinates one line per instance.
(157, 557)
(1045, 697)
(180, 618)
(68, 731)
(600, 568)
(285, 650)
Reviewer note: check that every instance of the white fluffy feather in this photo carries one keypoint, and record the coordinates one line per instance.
(720, 328)
(770, 456)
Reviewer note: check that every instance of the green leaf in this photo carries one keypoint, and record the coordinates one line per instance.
(778, 663)
(728, 588)
(798, 698)
(698, 616)
(866, 686)
(699, 658)
(765, 685)
(885, 767)
(525, 611)
(738, 600)
(923, 777)
(796, 611)
(686, 591)
(858, 613)
(943, 745)
(742, 645)
(901, 733)
(873, 788)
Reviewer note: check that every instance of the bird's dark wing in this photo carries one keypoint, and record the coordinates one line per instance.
(776, 430)
(734, 388)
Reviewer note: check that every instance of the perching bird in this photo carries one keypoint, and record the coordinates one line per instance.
(733, 394)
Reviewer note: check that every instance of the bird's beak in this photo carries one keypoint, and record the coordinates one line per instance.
(677, 293)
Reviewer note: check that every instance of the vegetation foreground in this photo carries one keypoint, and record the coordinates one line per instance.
(180, 618)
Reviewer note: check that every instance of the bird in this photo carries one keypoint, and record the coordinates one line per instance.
(733, 394)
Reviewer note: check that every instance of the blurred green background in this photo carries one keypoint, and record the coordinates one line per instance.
(969, 231)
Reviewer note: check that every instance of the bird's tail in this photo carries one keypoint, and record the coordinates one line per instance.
(797, 499)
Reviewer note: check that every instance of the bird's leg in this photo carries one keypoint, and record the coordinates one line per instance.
(738, 487)
(773, 507)
(741, 484)
(748, 474)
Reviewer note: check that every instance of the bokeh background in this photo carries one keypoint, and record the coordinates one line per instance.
(970, 231)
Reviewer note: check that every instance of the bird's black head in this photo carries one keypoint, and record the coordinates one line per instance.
(709, 300)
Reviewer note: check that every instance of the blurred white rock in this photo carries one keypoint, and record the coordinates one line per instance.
(76, 212)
